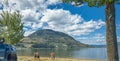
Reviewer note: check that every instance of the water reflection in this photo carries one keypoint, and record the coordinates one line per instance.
(83, 53)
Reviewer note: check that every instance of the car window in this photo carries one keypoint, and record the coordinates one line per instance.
(13, 48)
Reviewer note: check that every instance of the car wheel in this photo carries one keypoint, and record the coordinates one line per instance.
(12, 57)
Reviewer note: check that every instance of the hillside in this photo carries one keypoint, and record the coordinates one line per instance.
(104, 45)
(51, 39)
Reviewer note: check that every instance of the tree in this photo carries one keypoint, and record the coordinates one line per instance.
(11, 27)
(111, 39)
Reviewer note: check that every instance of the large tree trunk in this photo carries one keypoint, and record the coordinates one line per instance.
(112, 50)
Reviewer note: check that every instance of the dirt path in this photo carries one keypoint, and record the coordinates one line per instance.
(28, 58)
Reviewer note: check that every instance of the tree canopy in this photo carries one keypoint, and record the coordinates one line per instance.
(91, 3)
(11, 27)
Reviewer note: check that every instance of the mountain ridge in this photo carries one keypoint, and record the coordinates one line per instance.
(51, 39)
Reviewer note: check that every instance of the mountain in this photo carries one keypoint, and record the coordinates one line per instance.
(47, 38)
(99, 46)
(104, 45)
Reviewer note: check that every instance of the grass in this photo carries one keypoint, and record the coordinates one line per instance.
(29, 58)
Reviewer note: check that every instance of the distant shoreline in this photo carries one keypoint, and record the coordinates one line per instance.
(30, 58)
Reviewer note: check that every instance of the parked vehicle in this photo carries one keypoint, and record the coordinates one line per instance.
(7, 52)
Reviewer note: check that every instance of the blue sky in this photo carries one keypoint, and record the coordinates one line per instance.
(85, 24)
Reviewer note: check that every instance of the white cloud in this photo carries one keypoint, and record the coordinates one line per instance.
(63, 20)
(59, 19)
(93, 39)
(36, 14)
(27, 33)
(31, 4)
(31, 27)
(49, 2)
(31, 10)
(30, 15)
(79, 5)
(99, 36)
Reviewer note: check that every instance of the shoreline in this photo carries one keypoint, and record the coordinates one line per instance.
(30, 58)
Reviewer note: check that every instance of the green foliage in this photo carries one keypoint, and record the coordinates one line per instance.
(12, 27)
(91, 3)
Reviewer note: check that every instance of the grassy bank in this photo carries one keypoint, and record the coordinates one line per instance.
(29, 58)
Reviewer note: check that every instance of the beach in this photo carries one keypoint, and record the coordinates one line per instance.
(30, 58)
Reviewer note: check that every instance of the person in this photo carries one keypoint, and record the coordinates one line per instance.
(52, 54)
(36, 55)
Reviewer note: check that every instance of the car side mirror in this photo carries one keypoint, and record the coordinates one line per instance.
(2, 40)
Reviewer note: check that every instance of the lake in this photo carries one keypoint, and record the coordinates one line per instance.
(83, 53)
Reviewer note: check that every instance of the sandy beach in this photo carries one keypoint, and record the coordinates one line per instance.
(29, 58)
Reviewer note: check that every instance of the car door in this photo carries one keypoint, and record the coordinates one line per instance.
(2, 52)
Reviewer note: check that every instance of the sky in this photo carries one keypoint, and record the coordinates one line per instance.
(85, 24)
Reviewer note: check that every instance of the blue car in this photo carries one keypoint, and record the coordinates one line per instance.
(7, 52)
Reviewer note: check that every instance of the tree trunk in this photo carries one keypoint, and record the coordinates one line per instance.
(111, 40)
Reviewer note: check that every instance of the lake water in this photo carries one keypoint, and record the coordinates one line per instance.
(83, 53)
